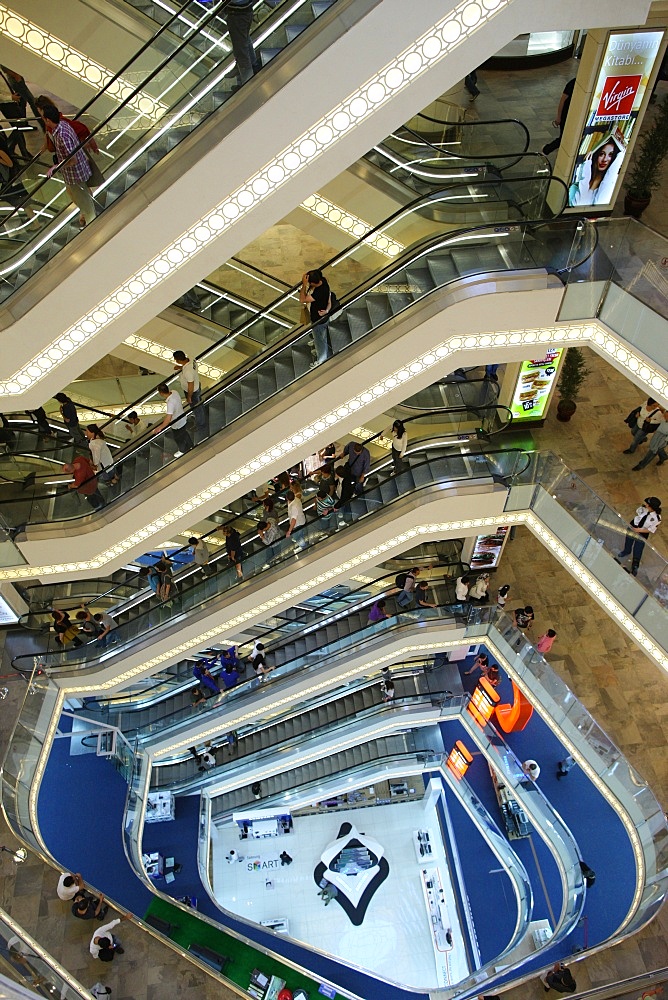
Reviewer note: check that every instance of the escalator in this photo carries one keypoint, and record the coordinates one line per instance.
(167, 701)
(405, 164)
(427, 267)
(331, 713)
(317, 770)
(195, 597)
(183, 81)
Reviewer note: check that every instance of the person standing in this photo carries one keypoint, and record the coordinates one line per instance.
(531, 769)
(502, 596)
(135, 424)
(103, 943)
(324, 506)
(561, 116)
(174, 419)
(200, 553)
(76, 172)
(643, 421)
(203, 675)
(70, 417)
(296, 520)
(524, 617)
(462, 587)
(405, 596)
(657, 445)
(546, 641)
(471, 84)
(269, 532)
(315, 293)
(345, 488)
(647, 519)
(377, 613)
(235, 552)
(192, 389)
(108, 626)
(399, 445)
(359, 463)
(85, 480)
(480, 588)
(239, 17)
(101, 455)
(69, 884)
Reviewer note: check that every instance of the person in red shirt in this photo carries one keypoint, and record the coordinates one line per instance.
(85, 480)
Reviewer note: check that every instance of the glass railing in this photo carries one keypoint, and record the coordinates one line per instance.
(625, 285)
(596, 534)
(623, 787)
(287, 627)
(594, 751)
(292, 751)
(427, 267)
(472, 137)
(304, 664)
(181, 82)
(26, 963)
(194, 593)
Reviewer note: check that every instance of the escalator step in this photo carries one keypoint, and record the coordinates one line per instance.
(358, 321)
(420, 280)
(442, 269)
(483, 258)
(379, 308)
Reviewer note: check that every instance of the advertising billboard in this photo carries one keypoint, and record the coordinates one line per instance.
(626, 69)
(534, 385)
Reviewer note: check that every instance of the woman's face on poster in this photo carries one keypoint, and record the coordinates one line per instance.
(605, 156)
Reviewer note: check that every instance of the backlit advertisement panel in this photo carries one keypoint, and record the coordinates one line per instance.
(625, 72)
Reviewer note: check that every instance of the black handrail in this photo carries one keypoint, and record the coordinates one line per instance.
(486, 121)
(416, 249)
(422, 201)
(486, 454)
(223, 4)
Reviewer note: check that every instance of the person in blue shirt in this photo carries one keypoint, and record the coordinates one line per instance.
(205, 678)
(229, 658)
(229, 677)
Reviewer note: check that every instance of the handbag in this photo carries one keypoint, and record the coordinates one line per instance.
(305, 315)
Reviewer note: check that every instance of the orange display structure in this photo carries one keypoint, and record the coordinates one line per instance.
(458, 760)
(513, 718)
(483, 700)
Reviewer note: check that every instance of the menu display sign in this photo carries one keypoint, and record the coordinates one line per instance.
(625, 72)
(534, 385)
(488, 548)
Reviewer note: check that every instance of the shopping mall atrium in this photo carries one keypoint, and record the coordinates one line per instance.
(333, 583)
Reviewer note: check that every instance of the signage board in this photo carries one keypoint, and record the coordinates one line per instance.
(626, 69)
(534, 385)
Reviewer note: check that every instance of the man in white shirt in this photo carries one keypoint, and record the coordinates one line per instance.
(190, 384)
(69, 884)
(174, 420)
(647, 519)
(296, 519)
(103, 944)
(135, 425)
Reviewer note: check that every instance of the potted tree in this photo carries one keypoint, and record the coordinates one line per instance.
(573, 375)
(643, 177)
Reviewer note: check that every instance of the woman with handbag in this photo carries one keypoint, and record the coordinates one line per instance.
(643, 421)
(322, 303)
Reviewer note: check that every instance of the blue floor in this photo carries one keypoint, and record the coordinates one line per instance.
(82, 800)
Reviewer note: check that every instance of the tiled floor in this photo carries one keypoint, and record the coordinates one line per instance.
(627, 695)
(395, 932)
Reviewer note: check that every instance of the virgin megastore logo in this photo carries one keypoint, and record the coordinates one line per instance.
(617, 98)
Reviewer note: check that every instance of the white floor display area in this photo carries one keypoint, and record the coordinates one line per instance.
(392, 910)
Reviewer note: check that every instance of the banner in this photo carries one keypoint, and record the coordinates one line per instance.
(625, 72)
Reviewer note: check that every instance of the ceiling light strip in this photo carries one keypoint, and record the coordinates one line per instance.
(155, 350)
(591, 333)
(350, 224)
(77, 64)
(399, 74)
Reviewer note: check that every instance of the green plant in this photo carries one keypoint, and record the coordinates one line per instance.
(651, 148)
(574, 374)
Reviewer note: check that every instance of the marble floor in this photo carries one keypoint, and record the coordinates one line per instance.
(624, 691)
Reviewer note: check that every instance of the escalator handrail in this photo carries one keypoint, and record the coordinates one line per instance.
(340, 723)
(486, 121)
(489, 159)
(70, 665)
(411, 253)
(101, 705)
(257, 507)
(96, 131)
(422, 201)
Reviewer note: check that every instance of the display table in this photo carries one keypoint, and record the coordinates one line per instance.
(425, 844)
(160, 807)
(264, 828)
(279, 924)
(275, 986)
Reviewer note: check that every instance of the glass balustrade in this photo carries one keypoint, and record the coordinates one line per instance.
(429, 266)
(158, 98)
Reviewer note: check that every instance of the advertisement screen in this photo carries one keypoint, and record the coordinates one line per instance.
(534, 384)
(613, 112)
